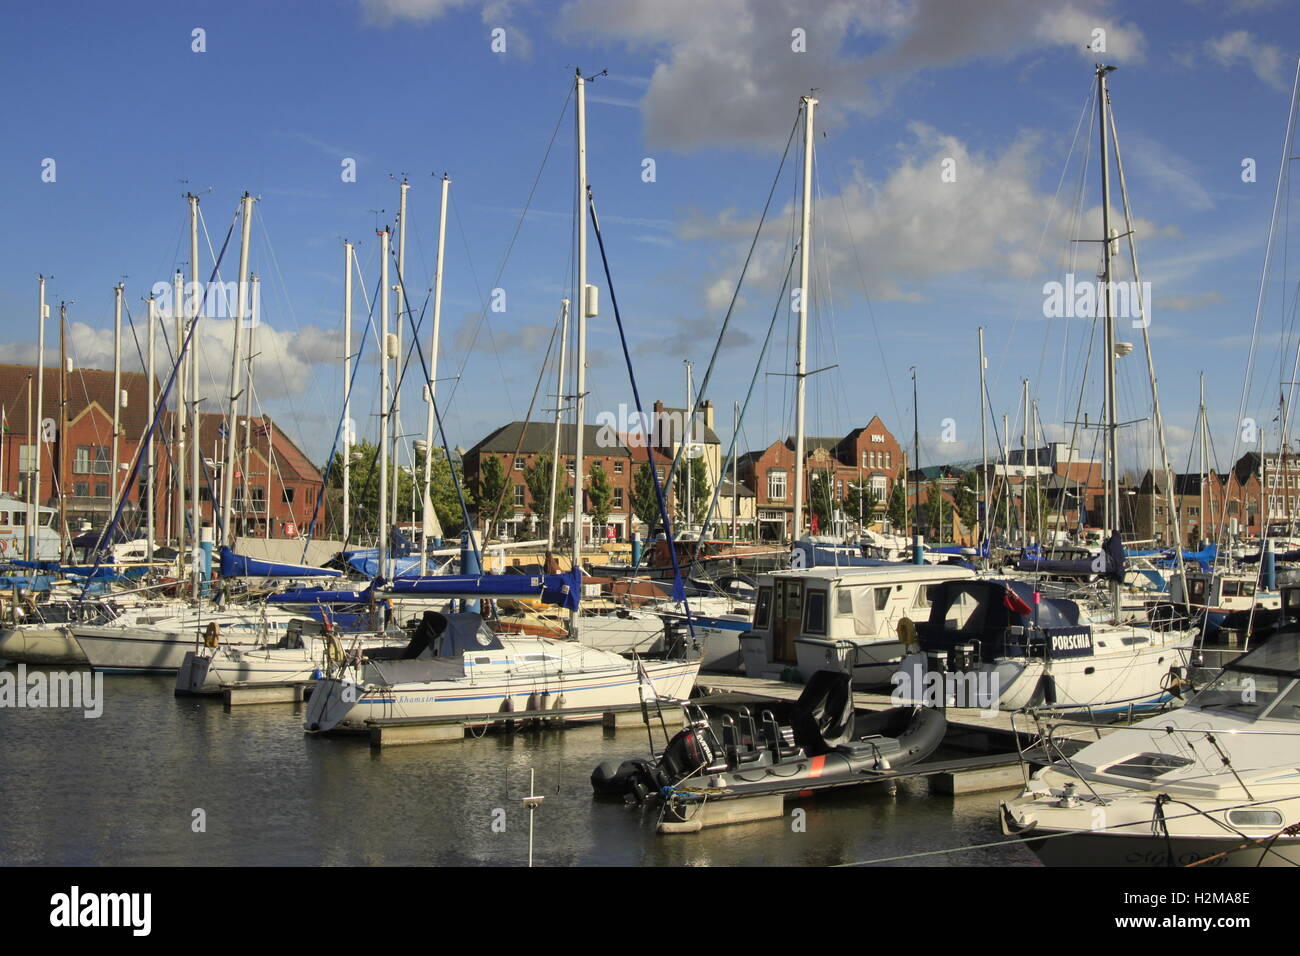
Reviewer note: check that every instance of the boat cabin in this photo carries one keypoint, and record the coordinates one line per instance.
(837, 605)
(14, 534)
(985, 620)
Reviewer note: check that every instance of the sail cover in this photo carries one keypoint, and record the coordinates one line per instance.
(563, 590)
(238, 566)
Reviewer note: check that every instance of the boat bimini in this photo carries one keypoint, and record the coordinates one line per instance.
(1022, 650)
(1214, 782)
(457, 668)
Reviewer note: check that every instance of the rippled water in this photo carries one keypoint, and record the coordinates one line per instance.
(122, 790)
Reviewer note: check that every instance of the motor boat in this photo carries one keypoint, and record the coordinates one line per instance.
(1212, 783)
(814, 743)
(1023, 650)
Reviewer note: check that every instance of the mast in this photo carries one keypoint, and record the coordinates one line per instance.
(1024, 464)
(1200, 523)
(687, 434)
(735, 488)
(383, 404)
(31, 501)
(584, 312)
(117, 389)
(59, 470)
(801, 346)
(347, 396)
(1112, 447)
(430, 390)
(232, 415)
(150, 459)
(42, 313)
(982, 489)
(916, 468)
(247, 456)
(180, 426)
(1006, 477)
(195, 419)
(398, 289)
(559, 415)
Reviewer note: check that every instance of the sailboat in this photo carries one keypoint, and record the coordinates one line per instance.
(1028, 650)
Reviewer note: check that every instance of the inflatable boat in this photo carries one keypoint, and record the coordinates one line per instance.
(814, 743)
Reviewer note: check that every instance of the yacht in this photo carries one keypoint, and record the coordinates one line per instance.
(468, 672)
(1213, 783)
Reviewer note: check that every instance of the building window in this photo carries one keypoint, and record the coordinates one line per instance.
(519, 464)
(26, 458)
(618, 497)
(519, 496)
(618, 467)
(879, 487)
(864, 459)
(889, 459)
(101, 489)
(776, 485)
(81, 461)
(81, 489)
(286, 496)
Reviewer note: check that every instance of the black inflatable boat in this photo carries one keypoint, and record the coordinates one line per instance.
(814, 743)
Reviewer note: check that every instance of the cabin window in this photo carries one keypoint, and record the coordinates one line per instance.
(814, 618)
(763, 609)
(1255, 818)
(925, 595)
(1148, 766)
(882, 598)
(844, 601)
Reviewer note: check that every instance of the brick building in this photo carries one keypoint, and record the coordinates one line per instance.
(88, 486)
(869, 455)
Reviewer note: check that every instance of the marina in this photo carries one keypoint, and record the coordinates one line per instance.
(484, 435)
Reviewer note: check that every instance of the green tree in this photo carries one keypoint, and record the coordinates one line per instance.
(599, 496)
(538, 479)
(644, 503)
(701, 489)
(968, 499)
(821, 499)
(897, 510)
(861, 500)
(489, 487)
(934, 512)
(363, 490)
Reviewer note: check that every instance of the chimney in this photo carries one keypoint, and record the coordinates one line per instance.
(707, 406)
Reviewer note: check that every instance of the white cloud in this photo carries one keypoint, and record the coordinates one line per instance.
(727, 74)
(1242, 47)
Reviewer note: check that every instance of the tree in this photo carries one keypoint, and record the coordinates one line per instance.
(644, 503)
(968, 499)
(489, 487)
(599, 496)
(934, 511)
(363, 489)
(538, 479)
(898, 504)
(821, 499)
(701, 489)
(861, 501)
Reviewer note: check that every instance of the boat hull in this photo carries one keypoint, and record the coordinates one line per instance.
(331, 710)
(35, 644)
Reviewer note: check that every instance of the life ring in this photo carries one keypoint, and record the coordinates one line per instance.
(906, 632)
(212, 635)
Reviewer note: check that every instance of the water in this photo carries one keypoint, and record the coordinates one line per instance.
(123, 789)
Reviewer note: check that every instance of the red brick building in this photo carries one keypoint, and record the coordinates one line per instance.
(279, 472)
(869, 455)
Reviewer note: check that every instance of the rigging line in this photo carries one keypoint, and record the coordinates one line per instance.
(1287, 141)
(731, 306)
(508, 484)
(511, 245)
(496, 352)
(1043, 235)
(433, 403)
(749, 393)
(866, 295)
(679, 591)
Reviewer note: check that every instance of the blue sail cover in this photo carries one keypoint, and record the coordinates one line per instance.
(367, 562)
(237, 566)
(320, 596)
(564, 590)
(1109, 563)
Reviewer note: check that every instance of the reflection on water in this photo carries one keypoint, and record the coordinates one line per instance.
(123, 790)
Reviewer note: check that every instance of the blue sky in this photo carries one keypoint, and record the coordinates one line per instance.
(907, 266)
